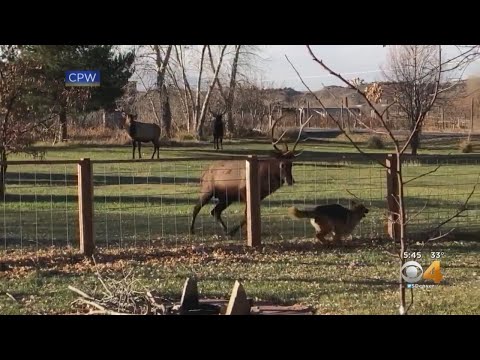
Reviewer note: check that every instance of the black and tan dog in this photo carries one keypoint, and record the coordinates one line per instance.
(332, 218)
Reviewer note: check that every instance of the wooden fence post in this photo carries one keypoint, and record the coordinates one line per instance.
(85, 206)
(253, 202)
(393, 204)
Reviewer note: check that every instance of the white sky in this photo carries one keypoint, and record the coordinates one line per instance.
(352, 61)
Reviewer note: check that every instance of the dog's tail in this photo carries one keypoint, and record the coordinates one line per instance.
(296, 213)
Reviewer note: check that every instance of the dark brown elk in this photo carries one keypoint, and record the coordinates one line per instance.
(142, 132)
(225, 180)
(217, 130)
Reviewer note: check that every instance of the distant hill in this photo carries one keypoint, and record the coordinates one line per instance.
(332, 96)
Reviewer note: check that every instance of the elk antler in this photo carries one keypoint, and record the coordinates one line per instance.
(215, 114)
(299, 135)
(224, 111)
(275, 142)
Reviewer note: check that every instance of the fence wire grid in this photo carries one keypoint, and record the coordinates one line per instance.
(145, 203)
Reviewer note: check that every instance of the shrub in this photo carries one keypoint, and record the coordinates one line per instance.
(375, 142)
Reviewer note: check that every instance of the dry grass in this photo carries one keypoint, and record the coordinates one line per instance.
(184, 135)
(98, 135)
(466, 147)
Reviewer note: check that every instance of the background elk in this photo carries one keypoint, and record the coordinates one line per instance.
(142, 132)
(217, 129)
(226, 180)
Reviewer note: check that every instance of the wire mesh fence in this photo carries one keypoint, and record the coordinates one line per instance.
(434, 198)
(40, 205)
(152, 202)
(143, 203)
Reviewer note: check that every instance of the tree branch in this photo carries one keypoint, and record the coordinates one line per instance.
(461, 210)
(422, 175)
(209, 92)
(332, 118)
(199, 86)
(351, 86)
(410, 218)
(217, 80)
(441, 236)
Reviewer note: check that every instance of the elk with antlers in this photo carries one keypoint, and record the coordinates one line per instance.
(218, 129)
(226, 180)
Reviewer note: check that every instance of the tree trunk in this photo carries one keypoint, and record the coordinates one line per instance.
(200, 130)
(403, 231)
(415, 144)
(3, 172)
(63, 124)
(201, 112)
(166, 112)
(230, 124)
(231, 91)
(104, 118)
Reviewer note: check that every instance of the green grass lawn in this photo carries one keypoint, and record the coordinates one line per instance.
(352, 280)
(148, 206)
(152, 202)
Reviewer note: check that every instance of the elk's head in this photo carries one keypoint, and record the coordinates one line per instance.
(128, 118)
(285, 157)
(217, 116)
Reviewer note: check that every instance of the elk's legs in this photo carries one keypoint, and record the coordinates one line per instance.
(203, 200)
(239, 226)
(217, 214)
(156, 149)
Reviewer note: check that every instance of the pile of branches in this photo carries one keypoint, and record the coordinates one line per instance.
(120, 297)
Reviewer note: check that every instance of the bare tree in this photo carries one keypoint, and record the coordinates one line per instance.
(372, 95)
(161, 60)
(252, 100)
(419, 75)
(195, 107)
(151, 69)
(413, 70)
(471, 99)
(228, 94)
(243, 57)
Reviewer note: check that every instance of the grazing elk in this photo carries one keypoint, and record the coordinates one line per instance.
(218, 129)
(142, 132)
(226, 180)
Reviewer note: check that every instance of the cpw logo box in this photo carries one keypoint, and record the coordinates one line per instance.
(82, 78)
